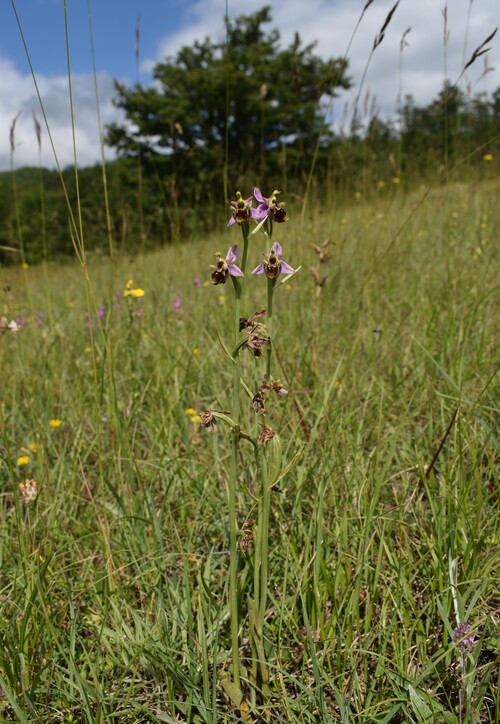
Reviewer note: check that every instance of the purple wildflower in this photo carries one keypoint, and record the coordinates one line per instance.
(39, 319)
(270, 207)
(197, 282)
(242, 211)
(177, 303)
(273, 265)
(225, 267)
(101, 316)
(463, 638)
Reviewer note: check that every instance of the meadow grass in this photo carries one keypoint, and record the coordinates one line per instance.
(383, 535)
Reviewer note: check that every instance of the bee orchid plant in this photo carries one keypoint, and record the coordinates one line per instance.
(253, 334)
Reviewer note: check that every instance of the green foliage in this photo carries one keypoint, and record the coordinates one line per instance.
(268, 104)
(44, 215)
(451, 126)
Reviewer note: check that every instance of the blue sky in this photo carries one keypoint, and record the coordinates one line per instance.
(166, 25)
(113, 26)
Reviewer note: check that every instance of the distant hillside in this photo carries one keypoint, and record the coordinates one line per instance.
(163, 198)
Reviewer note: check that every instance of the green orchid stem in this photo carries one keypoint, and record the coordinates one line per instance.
(258, 609)
(260, 463)
(264, 556)
(270, 292)
(233, 477)
(268, 227)
(245, 231)
(262, 537)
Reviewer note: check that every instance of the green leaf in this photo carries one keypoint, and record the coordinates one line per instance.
(419, 706)
(234, 692)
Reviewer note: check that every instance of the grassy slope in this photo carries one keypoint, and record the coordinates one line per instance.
(113, 585)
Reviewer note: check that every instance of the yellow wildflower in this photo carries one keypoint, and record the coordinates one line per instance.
(23, 460)
(136, 293)
(25, 265)
(396, 180)
(131, 291)
(33, 447)
(190, 411)
(196, 419)
(55, 423)
(196, 351)
(488, 157)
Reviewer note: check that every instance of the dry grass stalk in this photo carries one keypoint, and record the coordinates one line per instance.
(38, 131)
(480, 50)
(379, 38)
(12, 133)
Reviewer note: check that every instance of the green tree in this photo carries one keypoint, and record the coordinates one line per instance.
(247, 92)
(435, 133)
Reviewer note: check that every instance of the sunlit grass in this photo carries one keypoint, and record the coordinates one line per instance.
(113, 601)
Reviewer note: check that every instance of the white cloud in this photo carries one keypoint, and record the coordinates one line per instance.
(329, 22)
(332, 22)
(18, 94)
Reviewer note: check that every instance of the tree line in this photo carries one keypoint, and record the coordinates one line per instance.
(228, 114)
